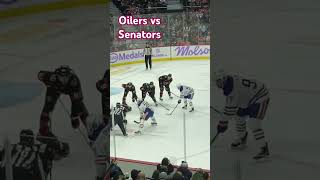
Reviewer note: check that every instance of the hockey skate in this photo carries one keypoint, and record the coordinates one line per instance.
(184, 107)
(264, 153)
(192, 109)
(161, 99)
(137, 132)
(240, 144)
(154, 123)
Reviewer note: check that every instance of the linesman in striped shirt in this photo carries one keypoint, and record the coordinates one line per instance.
(247, 102)
(147, 56)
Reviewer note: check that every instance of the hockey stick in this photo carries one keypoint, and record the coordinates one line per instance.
(50, 172)
(214, 138)
(174, 109)
(136, 122)
(216, 110)
(69, 114)
(164, 106)
(175, 94)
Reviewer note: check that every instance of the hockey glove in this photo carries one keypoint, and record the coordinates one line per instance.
(75, 122)
(222, 126)
(179, 101)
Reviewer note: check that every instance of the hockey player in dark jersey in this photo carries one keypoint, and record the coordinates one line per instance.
(103, 87)
(118, 116)
(129, 87)
(150, 90)
(164, 82)
(61, 81)
(32, 161)
(247, 101)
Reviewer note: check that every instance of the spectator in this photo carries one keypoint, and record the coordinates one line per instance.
(186, 173)
(155, 175)
(200, 175)
(177, 176)
(163, 176)
(116, 171)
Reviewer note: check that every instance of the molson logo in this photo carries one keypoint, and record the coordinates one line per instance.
(121, 56)
(192, 51)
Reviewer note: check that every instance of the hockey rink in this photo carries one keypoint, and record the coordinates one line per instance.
(281, 49)
(167, 138)
(45, 41)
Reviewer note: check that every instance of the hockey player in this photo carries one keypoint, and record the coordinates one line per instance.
(187, 94)
(32, 161)
(98, 132)
(146, 112)
(62, 81)
(118, 116)
(164, 82)
(149, 89)
(103, 87)
(129, 87)
(246, 101)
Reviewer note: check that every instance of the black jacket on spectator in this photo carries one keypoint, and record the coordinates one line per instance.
(187, 174)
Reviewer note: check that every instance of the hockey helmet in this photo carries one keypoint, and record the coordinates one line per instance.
(139, 101)
(170, 75)
(118, 105)
(26, 137)
(64, 73)
(64, 70)
(179, 87)
(219, 76)
(151, 83)
(129, 84)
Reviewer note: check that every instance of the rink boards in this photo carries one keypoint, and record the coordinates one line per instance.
(167, 53)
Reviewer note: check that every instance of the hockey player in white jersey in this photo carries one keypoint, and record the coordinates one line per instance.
(246, 101)
(186, 93)
(98, 132)
(146, 112)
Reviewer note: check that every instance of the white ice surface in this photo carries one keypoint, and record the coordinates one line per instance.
(76, 38)
(166, 139)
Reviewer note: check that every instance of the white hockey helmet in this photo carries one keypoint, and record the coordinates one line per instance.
(218, 76)
(139, 101)
(179, 86)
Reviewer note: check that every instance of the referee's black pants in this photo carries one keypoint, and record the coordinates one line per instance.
(147, 59)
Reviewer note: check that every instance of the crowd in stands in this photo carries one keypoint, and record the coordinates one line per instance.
(164, 171)
(178, 29)
(195, 2)
(133, 7)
